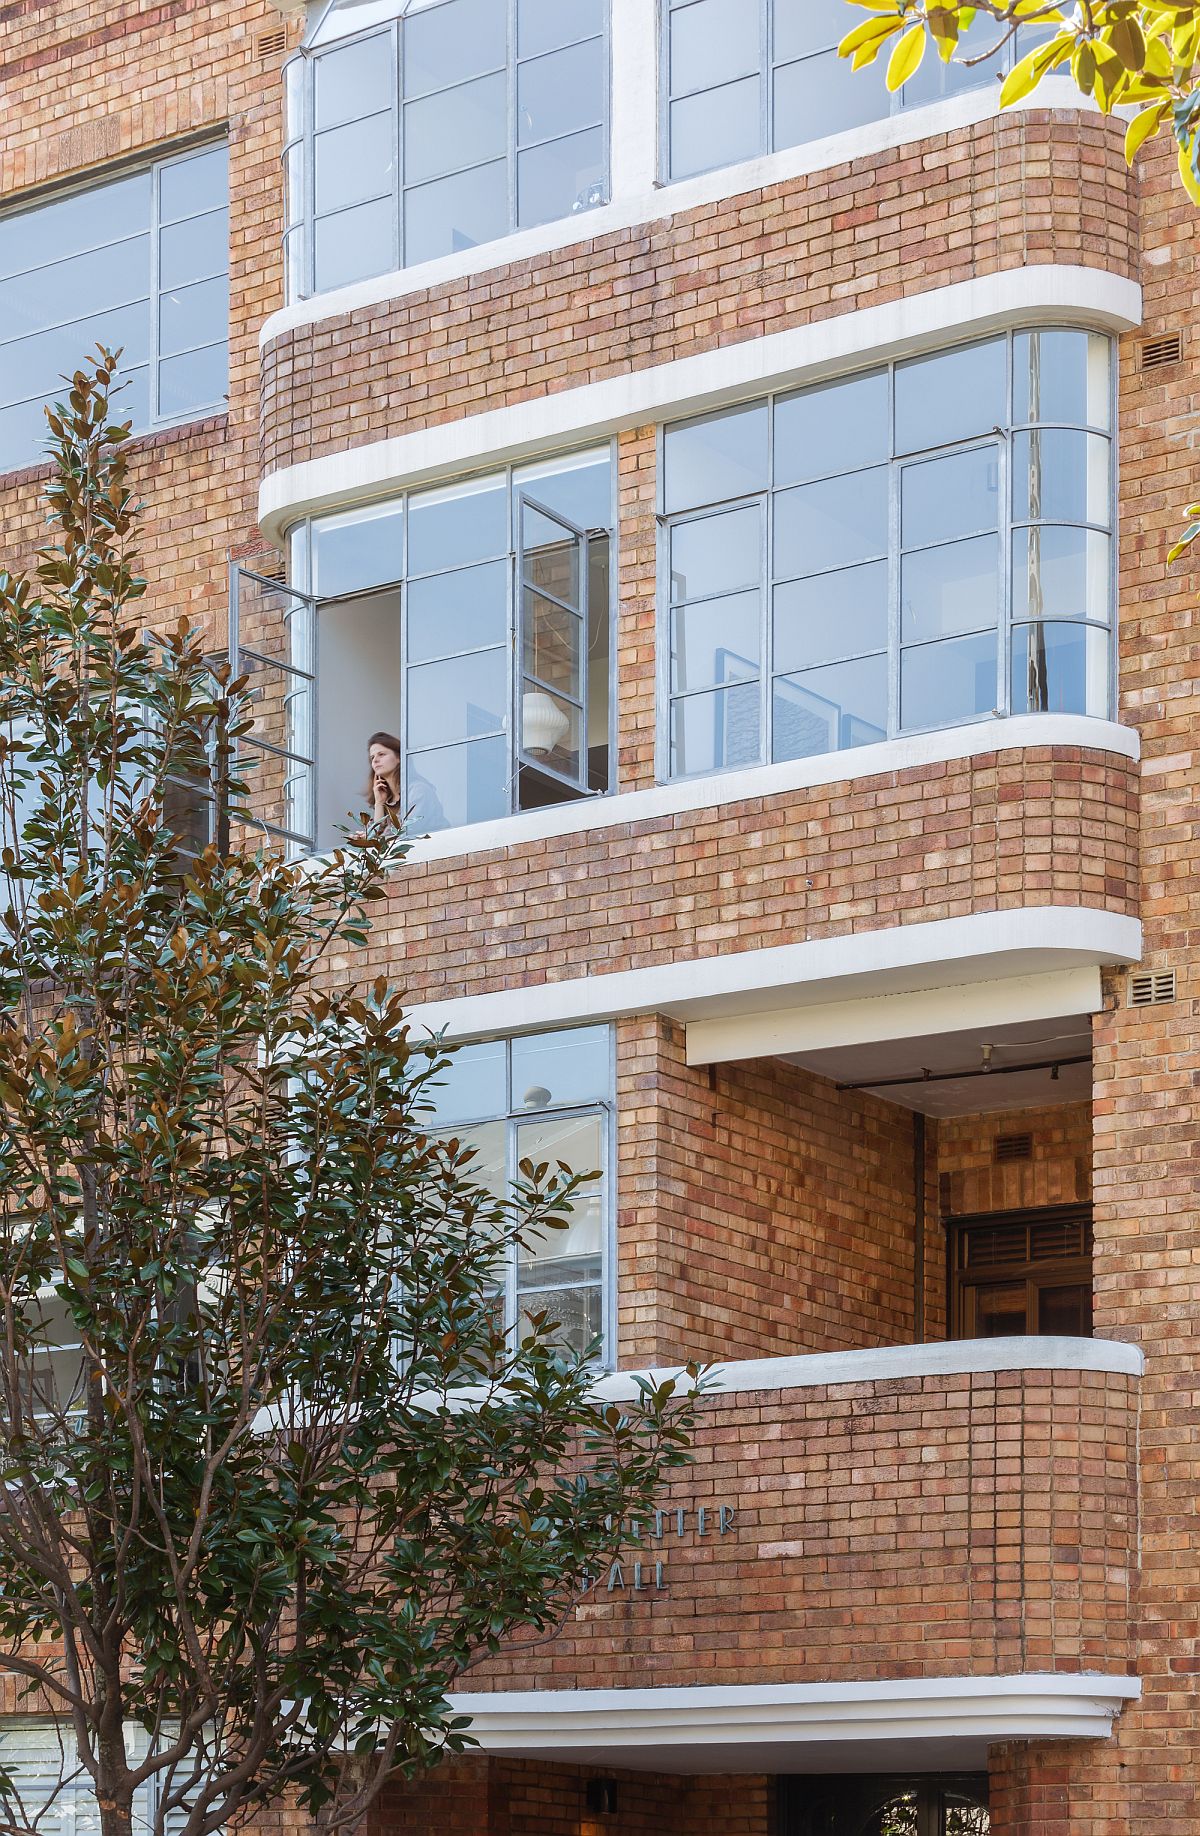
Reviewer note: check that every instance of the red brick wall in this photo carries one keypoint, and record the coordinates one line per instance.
(478, 1797)
(1058, 1172)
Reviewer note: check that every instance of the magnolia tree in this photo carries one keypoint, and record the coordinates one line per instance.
(271, 1474)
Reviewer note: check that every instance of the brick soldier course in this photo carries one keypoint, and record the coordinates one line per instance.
(942, 1523)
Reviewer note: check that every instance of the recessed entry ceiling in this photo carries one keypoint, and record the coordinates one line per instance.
(1040, 1043)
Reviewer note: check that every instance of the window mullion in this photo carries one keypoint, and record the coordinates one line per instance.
(766, 642)
(155, 215)
(766, 100)
(398, 224)
(893, 627)
(510, 138)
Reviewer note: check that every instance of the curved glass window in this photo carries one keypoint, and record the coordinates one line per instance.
(438, 126)
(922, 544)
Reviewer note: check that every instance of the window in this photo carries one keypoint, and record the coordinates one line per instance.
(472, 623)
(448, 126)
(140, 264)
(743, 77)
(916, 546)
(544, 1097)
(55, 1792)
(1023, 1273)
(858, 1806)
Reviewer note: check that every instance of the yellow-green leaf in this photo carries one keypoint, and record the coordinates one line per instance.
(1140, 130)
(905, 60)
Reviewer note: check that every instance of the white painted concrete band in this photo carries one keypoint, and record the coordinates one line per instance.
(940, 953)
(711, 379)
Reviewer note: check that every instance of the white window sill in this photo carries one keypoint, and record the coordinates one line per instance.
(664, 200)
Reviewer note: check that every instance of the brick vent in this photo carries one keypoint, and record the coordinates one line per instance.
(271, 44)
(1012, 1147)
(1151, 987)
(1155, 352)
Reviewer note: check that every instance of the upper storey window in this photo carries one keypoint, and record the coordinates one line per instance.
(450, 124)
(744, 77)
(139, 264)
(913, 547)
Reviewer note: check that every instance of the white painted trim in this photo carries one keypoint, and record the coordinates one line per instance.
(883, 1363)
(918, 1015)
(982, 946)
(1027, 1706)
(1039, 292)
(638, 198)
(684, 796)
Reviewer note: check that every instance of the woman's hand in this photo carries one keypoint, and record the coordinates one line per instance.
(382, 796)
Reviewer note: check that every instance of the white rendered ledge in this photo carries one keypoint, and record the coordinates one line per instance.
(685, 796)
(754, 1727)
(934, 954)
(921, 320)
(881, 1363)
(649, 203)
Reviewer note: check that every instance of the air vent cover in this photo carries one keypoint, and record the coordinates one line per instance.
(1157, 351)
(271, 44)
(1012, 1147)
(1151, 987)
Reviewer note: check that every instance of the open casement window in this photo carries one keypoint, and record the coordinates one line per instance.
(1023, 1272)
(552, 564)
(271, 644)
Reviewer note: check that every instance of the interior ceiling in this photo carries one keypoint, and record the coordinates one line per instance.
(1031, 1042)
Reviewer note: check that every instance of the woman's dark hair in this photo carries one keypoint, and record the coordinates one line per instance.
(393, 745)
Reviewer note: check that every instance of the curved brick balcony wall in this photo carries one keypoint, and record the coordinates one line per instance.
(1034, 187)
(977, 1523)
(1039, 826)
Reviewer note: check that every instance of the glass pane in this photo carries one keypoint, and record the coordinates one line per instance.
(474, 1085)
(353, 81)
(950, 396)
(716, 554)
(1066, 1310)
(354, 162)
(188, 316)
(831, 523)
(457, 699)
(560, 178)
(713, 732)
(1061, 376)
(715, 128)
(465, 609)
(947, 682)
(188, 186)
(1001, 1312)
(801, 26)
(822, 95)
(355, 245)
(459, 127)
(1062, 476)
(359, 548)
(550, 556)
(200, 379)
(828, 710)
(560, 93)
(457, 524)
(1060, 669)
(836, 428)
(576, 1141)
(950, 497)
(458, 784)
(711, 460)
(579, 488)
(577, 1312)
(543, 25)
(715, 641)
(561, 1068)
(951, 589)
(193, 250)
(553, 645)
(84, 220)
(1060, 572)
(35, 365)
(844, 614)
(23, 435)
(488, 1166)
(456, 213)
(934, 79)
(712, 41)
(445, 44)
(550, 730)
(117, 275)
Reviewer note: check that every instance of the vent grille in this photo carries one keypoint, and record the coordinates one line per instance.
(1012, 1147)
(1157, 351)
(268, 567)
(1151, 987)
(271, 44)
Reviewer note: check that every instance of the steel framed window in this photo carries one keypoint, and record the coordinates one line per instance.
(909, 547)
(545, 1097)
(55, 1791)
(743, 77)
(448, 126)
(149, 251)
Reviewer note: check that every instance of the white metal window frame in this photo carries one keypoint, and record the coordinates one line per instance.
(37, 1753)
(384, 20)
(896, 463)
(153, 230)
